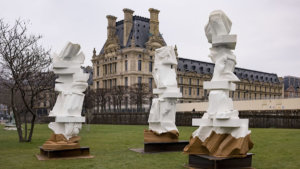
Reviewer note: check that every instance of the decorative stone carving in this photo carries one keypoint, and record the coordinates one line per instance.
(163, 110)
(221, 132)
(70, 85)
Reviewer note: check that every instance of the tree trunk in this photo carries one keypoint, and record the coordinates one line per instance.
(16, 115)
(31, 128)
(25, 121)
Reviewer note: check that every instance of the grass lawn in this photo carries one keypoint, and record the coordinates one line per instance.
(273, 148)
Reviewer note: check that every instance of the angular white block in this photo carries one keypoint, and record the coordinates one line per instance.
(163, 110)
(224, 40)
(71, 83)
(230, 122)
(219, 85)
(202, 122)
(69, 119)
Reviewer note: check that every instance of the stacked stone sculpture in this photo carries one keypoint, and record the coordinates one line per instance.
(70, 85)
(161, 120)
(221, 133)
(11, 124)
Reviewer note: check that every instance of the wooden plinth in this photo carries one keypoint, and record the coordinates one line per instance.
(82, 152)
(164, 146)
(210, 162)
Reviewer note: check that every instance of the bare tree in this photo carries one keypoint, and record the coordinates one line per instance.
(101, 99)
(121, 92)
(24, 71)
(140, 95)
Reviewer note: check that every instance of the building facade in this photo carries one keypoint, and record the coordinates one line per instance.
(253, 84)
(291, 86)
(128, 54)
(127, 58)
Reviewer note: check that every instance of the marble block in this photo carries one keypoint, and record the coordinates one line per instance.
(230, 123)
(67, 119)
(163, 110)
(219, 85)
(228, 41)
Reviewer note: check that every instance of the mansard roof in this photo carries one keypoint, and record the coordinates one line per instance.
(189, 65)
(140, 32)
(291, 81)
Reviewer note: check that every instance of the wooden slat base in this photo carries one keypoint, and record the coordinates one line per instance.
(210, 162)
(82, 151)
(164, 146)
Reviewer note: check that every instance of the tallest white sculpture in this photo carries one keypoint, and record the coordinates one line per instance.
(221, 133)
(70, 85)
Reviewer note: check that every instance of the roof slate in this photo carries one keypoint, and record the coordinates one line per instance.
(188, 65)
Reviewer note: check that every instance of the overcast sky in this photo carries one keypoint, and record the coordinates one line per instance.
(268, 30)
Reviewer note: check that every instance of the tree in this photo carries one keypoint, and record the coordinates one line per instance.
(24, 71)
(140, 95)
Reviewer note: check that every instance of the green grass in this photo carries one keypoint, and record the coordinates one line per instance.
(274, 149)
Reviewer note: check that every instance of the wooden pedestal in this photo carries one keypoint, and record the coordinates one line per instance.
(82, 152)
(164, 146)
(210, 162)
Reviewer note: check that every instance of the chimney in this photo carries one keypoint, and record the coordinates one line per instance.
(111, 27)
(154, 23)
(127, 24)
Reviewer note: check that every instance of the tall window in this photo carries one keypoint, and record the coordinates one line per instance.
(97, 85)
(190, 81)
(126, 81)
(110, 67)
(198, 91)
(98, 70)
(139, 80)
(150, 66)
(105, 84)
(181, 80)
(110, 83)
(105, 69)
(181, 89)
(139, 65)
(115, 68)
(190, 91)
(198, 82)
(126, 65)
(150, 84)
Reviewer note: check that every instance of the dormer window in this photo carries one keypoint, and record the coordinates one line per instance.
(185, 66)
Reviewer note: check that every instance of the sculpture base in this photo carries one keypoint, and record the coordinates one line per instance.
(164, 146)
(59, 142)
(81, 152)
(220, 145)
(153, 137)
(10, 127)
(210, 162)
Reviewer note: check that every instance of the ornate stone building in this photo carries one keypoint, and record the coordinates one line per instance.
(291, 86)
(128, 54)
(253, 84)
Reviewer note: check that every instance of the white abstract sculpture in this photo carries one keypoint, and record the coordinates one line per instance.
(70, 84)
(163, 109)
(221, 132)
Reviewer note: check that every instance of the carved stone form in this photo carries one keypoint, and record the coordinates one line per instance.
(70, 84)
(163, 110)
(221, 133)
